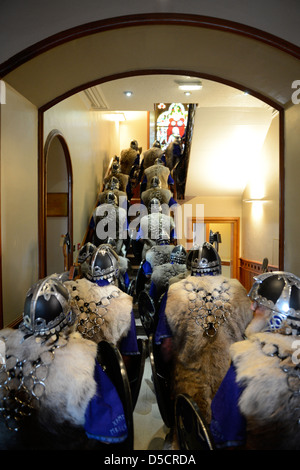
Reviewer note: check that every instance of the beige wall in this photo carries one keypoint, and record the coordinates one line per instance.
(134, 128)
(92, 141)
(19, 211)
(260, 220)
(292, 191)
(206, 207)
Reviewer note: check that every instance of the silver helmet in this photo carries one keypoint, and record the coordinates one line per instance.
(104, 264)
(47, 308)
(86, 252)
(113, 183)
(156, 144)
(154, 206)
(85, 255)
(205, 261)
(279, 291)
(178, 255)
(134, 145)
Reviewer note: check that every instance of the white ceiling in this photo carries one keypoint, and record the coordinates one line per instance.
(230, 126)
(150, 89)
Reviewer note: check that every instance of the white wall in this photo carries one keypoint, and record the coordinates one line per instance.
(19, 205)
(260, 220)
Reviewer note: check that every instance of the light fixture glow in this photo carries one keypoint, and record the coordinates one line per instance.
(116, 117)
(128, 93)
(190, 86)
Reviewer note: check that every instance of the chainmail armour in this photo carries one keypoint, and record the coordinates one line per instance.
(35, 376)
(103, 312)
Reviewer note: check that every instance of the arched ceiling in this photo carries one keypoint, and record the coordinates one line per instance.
(224, 56)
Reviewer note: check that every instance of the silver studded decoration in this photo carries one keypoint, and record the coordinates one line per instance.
(209, 310)
(22, 384)
(91, 314)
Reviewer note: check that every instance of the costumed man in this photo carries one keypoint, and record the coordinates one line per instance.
(54, 394)
(257, 405)
(156, 191)
(124, 266)
(173, 152)
(150, 156)
(158, 254)
(113, 185)
(156, 226)
(199, 318)
(159, 170)
(104, 311)
(109, 220)
(84, 256)
(130, 157)
(163, 272)
(115, 172)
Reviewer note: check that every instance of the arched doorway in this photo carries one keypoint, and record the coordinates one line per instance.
(56, 243)
(242, 50)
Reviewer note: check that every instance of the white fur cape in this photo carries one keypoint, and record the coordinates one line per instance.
(117, 307)
(70, 383)
(201, 362)
(265, 365)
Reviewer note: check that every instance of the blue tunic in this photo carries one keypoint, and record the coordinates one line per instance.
(104, 417)
(228, 425)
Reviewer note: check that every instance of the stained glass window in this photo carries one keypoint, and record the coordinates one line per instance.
(170, 120)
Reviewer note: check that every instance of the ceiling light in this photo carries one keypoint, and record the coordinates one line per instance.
(190, 86)
(187, 93)
(128, 93)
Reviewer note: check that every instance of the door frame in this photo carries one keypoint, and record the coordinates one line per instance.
(43, 159)
(235, 236)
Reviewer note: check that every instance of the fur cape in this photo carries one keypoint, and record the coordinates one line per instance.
(266, 364)
(69, 385)
(163, 195)
(123, 179)
(115, 310)
(162, 274)
(149, 156)
(159, 254)
(201, 361)
(118, 193)
(157, 170)
(127, 159)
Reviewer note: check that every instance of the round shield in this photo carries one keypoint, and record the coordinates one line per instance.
(147, 312)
